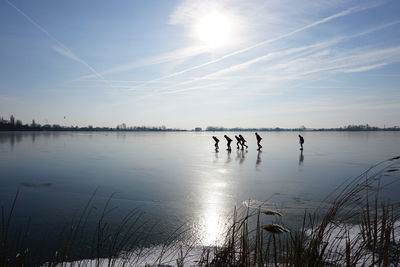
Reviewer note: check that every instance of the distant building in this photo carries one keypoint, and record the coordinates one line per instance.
(198, 129)
(12, 120)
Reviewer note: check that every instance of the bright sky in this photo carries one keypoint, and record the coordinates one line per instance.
(249, 63)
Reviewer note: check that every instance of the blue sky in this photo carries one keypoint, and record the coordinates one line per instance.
(318, 63)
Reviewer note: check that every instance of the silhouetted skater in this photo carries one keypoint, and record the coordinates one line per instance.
(238, 141)
(216, 142)
(228, 142)
(301, 141)
(243, 141)
(258, 141)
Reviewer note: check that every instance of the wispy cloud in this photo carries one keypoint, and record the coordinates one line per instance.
(179, 54)
(366, 68)
(66, 53)
(316, 23)
(211, 87)
(9, 99)
(60, 48)
(352, 60)
(185, 14)
(298, 62)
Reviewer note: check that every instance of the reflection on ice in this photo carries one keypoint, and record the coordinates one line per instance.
(220, 184)
(241, 155)
(258, 161)
(211, 225)
(228, 158)
(301, 158)
(213, 211)
(222, 171)
(142, 257)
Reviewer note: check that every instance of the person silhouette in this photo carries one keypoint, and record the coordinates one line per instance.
(301, 141)
(216, 142)
(243, 141)
(228, 142)
(258, 141)
(238, 141)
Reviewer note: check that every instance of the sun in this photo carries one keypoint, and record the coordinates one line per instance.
(214, 30)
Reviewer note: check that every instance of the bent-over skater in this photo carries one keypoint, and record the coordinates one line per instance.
(301, 141)
(258, 141)
(243, 141)
(228, 142)
(238, 141)
(216, 142)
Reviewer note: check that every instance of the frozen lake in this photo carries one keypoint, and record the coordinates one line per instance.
(178, 177)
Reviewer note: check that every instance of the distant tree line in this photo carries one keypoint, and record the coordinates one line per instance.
(16, 125)
(365, 127)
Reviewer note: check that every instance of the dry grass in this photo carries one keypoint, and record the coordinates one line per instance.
(360, 227)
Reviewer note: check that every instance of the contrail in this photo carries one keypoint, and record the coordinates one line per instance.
(249, 62)
(306, 27)
(76, 58)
